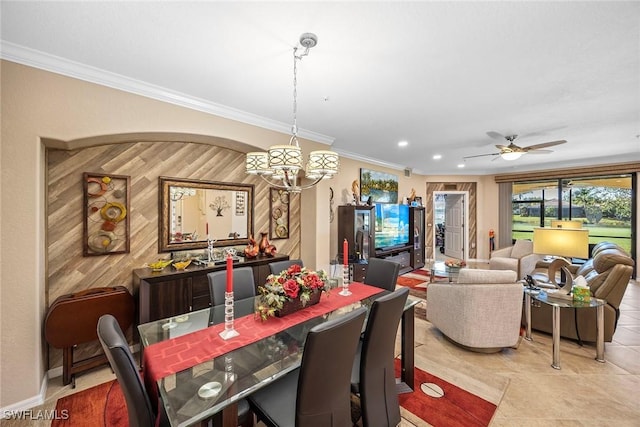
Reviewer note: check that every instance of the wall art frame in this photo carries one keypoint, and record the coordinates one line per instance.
(278, 214)
(106, 225)
(382, 187)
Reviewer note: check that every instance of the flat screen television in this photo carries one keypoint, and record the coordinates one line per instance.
(392, 225)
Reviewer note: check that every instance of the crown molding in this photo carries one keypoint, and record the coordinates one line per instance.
(55, 64)
(354, 156)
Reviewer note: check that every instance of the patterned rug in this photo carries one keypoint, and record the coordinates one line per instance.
(417, 281)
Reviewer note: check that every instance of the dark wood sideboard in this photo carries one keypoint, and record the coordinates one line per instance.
(171, 293)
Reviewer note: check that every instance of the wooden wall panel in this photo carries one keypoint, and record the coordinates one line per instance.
(68, 271)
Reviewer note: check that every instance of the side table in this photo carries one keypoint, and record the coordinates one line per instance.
(557, 304)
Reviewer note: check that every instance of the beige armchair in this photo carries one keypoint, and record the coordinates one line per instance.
(481, 312)
(519, 258)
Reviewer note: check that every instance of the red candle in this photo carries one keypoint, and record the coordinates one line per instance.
(229, 273)
(345, 252)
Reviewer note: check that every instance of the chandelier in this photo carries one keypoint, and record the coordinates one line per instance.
(282, 165)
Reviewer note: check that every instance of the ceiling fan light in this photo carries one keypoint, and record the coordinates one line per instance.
(511, 155)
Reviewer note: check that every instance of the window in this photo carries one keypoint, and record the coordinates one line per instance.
(602, 204)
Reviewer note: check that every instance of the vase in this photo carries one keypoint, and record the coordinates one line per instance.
(264, 242)
(252, 250)
(291, 306)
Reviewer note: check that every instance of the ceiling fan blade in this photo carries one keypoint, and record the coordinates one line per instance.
(495, 135)
(502, 147)
(539, 151)
(481, 155)
(543, 145)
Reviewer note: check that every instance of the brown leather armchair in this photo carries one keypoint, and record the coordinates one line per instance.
(607, 272)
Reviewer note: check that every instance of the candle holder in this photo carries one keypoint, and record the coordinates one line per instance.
(229, 375)
(209, 250)
(229, 331)
(345, 281)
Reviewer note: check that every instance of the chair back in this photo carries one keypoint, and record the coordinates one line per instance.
(279, 266)
(323, 395)
(378, 394)
(382, 273)
(243, 285)
(115, 346)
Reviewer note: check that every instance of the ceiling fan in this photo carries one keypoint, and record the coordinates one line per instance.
(513, 151)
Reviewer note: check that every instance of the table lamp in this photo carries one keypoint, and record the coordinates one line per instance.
(561, 243)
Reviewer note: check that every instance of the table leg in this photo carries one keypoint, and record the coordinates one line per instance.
(556, 338)
(527, 313)
(600, 331)
(407, 351)
(228, 417)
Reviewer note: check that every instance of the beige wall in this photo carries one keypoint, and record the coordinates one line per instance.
(38, 105)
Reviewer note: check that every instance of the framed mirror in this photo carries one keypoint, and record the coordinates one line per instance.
(193, 210)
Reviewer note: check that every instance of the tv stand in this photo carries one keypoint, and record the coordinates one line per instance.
(399, 254)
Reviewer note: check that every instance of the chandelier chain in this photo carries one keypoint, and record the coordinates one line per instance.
(294, 129)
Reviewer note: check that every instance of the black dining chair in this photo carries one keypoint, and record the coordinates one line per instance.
(382, 273)
(373, 373)
(243, 285)
(279, 266)
(318, 393)
(142, 413)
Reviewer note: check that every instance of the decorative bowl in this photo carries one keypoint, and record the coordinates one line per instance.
(182, 264)
(160, 264)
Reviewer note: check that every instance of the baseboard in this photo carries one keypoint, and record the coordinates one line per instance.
(13, 410)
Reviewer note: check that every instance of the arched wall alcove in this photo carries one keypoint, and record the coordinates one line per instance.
(143, 157)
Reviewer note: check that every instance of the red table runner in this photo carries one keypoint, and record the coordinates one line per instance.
(176, 354)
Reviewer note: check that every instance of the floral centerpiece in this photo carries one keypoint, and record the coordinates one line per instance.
(455, 263)
(289, 290)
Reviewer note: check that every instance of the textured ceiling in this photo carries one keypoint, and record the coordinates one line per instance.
(437, 74)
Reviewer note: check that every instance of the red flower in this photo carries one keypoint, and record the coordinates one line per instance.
(294, 269)
(312, 281)
(291, 288)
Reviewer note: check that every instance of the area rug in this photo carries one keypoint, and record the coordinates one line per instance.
(102, 405)
(445, 405)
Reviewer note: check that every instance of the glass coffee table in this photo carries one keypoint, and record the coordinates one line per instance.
(440, 270)
(558, 303)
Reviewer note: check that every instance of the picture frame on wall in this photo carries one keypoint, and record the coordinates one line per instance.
(382, 187)
(279, 214)
(106, 223)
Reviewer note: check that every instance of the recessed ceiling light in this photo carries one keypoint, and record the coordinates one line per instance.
(437, 156)
(403, 143)
(461, 165)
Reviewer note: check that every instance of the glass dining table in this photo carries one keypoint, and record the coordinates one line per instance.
(200, 390)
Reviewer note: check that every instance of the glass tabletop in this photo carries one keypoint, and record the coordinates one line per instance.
(547, 297)
(203, 390)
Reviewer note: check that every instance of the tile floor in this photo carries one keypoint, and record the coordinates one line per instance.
(521, 381)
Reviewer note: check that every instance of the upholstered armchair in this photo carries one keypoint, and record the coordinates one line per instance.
(519, 258)
(481, 312)
(607, 273)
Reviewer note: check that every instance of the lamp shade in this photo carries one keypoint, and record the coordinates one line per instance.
(565, 242)
(322, 162)
(257, 162)
(560, 223)
(286, 157)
